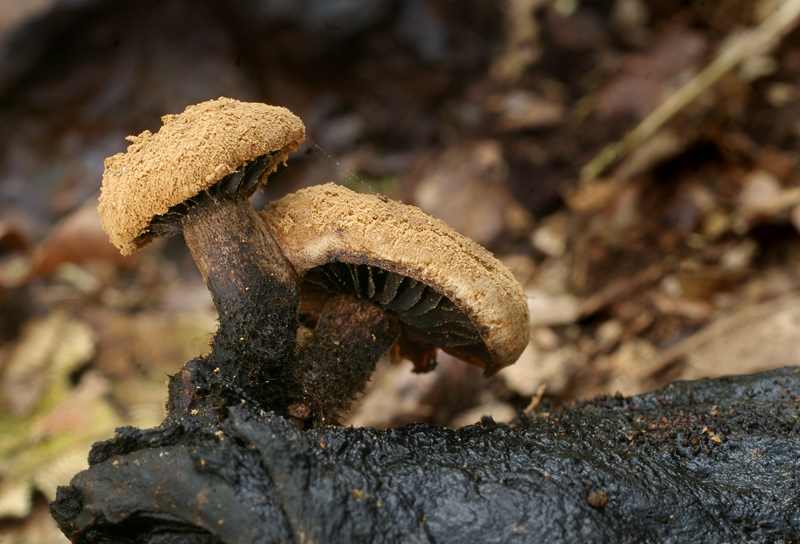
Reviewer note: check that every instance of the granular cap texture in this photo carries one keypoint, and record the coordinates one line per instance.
(190, 153)
(328, 223)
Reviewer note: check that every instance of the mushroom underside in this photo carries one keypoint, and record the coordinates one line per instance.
(427, 316)
(240, 184)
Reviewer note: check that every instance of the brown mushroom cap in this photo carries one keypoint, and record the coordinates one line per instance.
(330, 224)
(190, 153)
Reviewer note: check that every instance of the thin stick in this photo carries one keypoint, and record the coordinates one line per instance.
(756, 41)
(537, 399)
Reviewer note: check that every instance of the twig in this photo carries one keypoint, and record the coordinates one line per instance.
(537, 399)
(756, 41)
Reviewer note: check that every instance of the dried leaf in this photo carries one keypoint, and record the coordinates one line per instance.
(536, 367)
(523, 110)
(47, 352)
(12, 236)
(44, 450)
(645, 78)
(760, 194)
(78, 237)
(756, 338)
(47, 426)
(15, 498)
(465, 188)
(500, 412)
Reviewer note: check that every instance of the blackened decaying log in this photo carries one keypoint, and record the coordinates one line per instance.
(712, 461)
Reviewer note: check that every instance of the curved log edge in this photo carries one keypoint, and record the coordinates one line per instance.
(716, 460)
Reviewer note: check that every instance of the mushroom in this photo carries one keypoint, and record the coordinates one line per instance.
(377, 273)
(195, 176)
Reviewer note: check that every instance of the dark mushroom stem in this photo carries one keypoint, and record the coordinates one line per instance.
(254, 289)
(337, 361)
(372, 310)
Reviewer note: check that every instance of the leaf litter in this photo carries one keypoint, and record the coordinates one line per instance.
(634, 165)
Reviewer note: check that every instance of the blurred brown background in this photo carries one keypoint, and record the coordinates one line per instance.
(678, 261)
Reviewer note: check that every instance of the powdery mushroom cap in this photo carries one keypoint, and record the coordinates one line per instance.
(330, 224)
(190, 153)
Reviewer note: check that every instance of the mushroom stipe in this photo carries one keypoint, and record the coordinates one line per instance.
(253, 289)
(195, 176)
(336, 363)
(255, 293)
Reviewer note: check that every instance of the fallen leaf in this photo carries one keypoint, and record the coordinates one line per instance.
(78, 237)
(465, 188)
(48, 424)
(644, 77)
(12, 236)
(47, 352)
(524, 110)
(535, 367)
(500, 412)
(755, 338)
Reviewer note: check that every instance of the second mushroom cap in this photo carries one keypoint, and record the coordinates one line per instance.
(448, 291)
